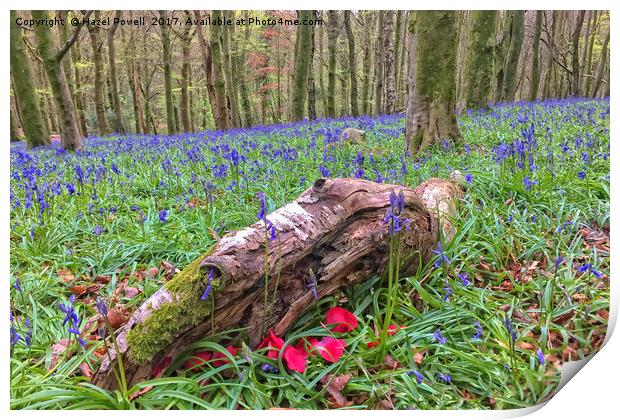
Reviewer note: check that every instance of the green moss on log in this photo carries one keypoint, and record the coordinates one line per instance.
(187, 310)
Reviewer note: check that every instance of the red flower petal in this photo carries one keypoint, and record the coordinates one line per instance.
(344, 320)
(232, 350)
(273, 342)
(329, 348)
(295, 358)
(161, 367)
(372, 344)
(197, 360)
(392, 329)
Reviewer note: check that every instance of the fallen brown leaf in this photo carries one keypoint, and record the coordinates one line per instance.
(334, 386)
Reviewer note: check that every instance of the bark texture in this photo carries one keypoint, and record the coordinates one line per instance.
(303, 55)
(334, 228)
(432, 107)
(479, 60)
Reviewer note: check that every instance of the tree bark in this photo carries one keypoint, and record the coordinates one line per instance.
(512, 57)
(335, 229)
(479, 59)
(390, 69)
(186, 41)
(574, 83)
(165, 41)
(219, 84)
(433, 105)
(311, 83)
(75, 56)
(52, 61)
(352, 64)
(34, 126)
(205, 49)
(366, 108)
(97, 46)
(588, 77)
(302, 66)
(116, 101)
(600, 68)
(232, 93)
(535, 70)
(379, 65)
(333, 31)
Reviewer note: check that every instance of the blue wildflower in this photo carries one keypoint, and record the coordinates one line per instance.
(438, 336)
(418, 376)
(588, 267)
(441, 254)
(469, 178)
(163, 216)
(540, 356)
(208, 289)
(464, 279)
(444, 377)
(478, 335)
(510, 328)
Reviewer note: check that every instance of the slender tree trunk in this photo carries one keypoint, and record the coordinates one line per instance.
(333, 31)
(479, 58)
(116, 101)
(231, 85)
(588, 66)
(433, 105)
(244, 92)
(185, 74)
(218, 77)
(165, 41)
(311, 84)
(574, 84)
(390, 69)
(302, 66)
(397, 47)
(352, 64)
(205, 49)
(34, 127)
(97, 46)
(535, 71)
(512, 57)
(321, 70)
(75, 55)
(366, 108)
(379, 65)
(600, 68)
(52, 61)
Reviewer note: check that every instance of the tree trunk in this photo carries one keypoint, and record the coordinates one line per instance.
(244, 92)
(218, 77)
(311, 84)
(231, 85)
(499, 58)
(97, 45)
(512, 57)
(588, 77)
(52, 61)
(574, 84)
(600, 68)
(335, 229)
(116, 101)
(302, 66)
(390, 69)
(333, 31)
(433, 106)
(165, 41)
(535, 72)
(379, 65)
(75, 56)
(33, 124)
(205, 49)
(185, 70)
(352, 64)
(479, 59)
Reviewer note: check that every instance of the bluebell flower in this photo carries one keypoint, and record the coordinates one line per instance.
(418, 376)
(208, 288)
(448, 291)
(438, 336)
(312, 285)
(263, 210)
(444, 377)
(558, 261)
(98, 230)
(540, 356)
(267, 368)
(469, 178)
(510, 328)
(581, 175)
(588, 267)
(17, 285)
(464, 279)
(478, 335)
(101, 306)
(163, 216)
(441, 254)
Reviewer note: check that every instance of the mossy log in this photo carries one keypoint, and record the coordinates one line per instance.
(335, 228)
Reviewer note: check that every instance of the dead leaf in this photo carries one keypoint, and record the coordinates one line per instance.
(86, 370)
(334, 386)
(65, 275)
(102, 279)
(58, 349)
(140, 392)
(390, 363)
(418, 357)
(118, 316)
(131, 292)
(383, 405)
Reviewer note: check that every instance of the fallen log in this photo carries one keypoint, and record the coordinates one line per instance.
(334, 229)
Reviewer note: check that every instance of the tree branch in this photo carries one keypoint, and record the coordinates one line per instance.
(71, 41)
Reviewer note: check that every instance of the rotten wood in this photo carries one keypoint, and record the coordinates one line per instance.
(335, 228)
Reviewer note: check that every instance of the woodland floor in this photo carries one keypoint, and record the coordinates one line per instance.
(120, 218)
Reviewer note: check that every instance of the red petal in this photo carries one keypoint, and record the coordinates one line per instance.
(329, 348)
(232, 350)
(197, 360)
(372, 344)
(295, 359)
(344, 320)
(392, 329)
(161, 366)
(273, 342)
